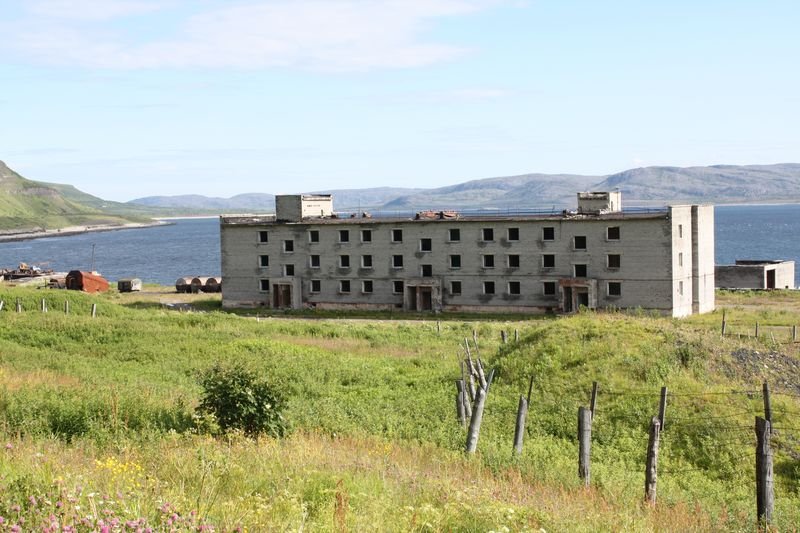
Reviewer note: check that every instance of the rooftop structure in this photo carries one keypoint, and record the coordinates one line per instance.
(756, 274)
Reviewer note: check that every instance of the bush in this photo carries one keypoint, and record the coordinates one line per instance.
(239, 399)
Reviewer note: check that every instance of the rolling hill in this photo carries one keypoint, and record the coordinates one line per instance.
(27, 205)
(640, 186)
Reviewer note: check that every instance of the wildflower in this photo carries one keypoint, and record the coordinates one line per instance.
(9, 446)
(15, 508)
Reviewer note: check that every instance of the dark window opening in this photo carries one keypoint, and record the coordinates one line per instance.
(366, 286)
(263, 236)
(487, 234)
(288, 270)
(344, 285)
(513, 261)
(314, 261)
(580, 271)
(288, 246)
(454, 235)
(397, 261)
(614, 261)
(397, 235)
(313, 235)
(514, 287)
(548, 234)
(513, 234)
(488, 261)
(455, 287)
(549, 288)
(344, 261)
(366, 235)
(548, 261)
(613, 233)
(264, 284)
(488, 287)
(580, 242)
(455, 261)
(425, 245)
(397, 287)
(427, 271)
(316, 285)
(263, 261)
(366, 261)
(614, 288)
(344, 235)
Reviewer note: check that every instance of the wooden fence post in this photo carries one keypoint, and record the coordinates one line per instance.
(19, 306)
(475, 338)
(2, 303)
(519, 430)
(651, 470)
(593, 399)
(584, 444)
(756, 330)
(66, 307)
(724, 323)
(44, 305)
(475, 421)
(94, 310)
(767, 405)
(516, 335)
(438, 327)
(461, 411)
(765, 497)
(662, 408)
(794, 333)
(503, 336)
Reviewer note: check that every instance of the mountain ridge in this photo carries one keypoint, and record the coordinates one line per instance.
(643, 186)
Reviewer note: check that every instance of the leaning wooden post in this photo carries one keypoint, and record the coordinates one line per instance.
(19, 306)
(503, 336)
(724, 323)
(481, 374)
(475, 338)
(94, 310)
(662, 408)
(593, 399)
(794, 333)
(2, 303)
(489, 379)
(765, 497)
(66, 307)
(44, 305)
(651, 470)
(516, 335)
(519, 430)
(438, 327)
(767, 405)
(584, 444)
(475, 421)
(461, 412)
(756, 330)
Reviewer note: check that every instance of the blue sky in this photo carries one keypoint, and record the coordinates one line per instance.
(130, 98)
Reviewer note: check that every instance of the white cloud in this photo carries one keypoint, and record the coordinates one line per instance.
(92, 9)
(337, 35)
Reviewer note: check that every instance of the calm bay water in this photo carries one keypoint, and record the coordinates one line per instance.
(190, 247)
(161, 254)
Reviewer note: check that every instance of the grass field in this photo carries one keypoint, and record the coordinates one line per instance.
(98, 428)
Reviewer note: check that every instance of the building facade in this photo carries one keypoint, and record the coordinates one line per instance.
(597, 256)
(756, 274)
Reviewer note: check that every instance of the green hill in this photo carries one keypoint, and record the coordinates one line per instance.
(27, 205)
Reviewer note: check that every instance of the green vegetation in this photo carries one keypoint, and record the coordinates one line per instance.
(27, 205)
(97, 417)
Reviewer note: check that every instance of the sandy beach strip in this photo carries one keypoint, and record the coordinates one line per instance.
(77, 230)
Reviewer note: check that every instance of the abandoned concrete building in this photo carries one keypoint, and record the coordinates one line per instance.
(756, 274)
(598, 256)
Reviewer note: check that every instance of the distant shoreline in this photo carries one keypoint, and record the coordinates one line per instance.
(77, 230)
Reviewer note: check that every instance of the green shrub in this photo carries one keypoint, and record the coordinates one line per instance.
(239, 399)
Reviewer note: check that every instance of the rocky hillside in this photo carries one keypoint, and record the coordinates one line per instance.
(27, 205)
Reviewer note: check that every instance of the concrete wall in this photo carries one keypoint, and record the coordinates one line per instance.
(754, 275)
(296, 207)
(703, 261)
(681, 260)
(645, 249)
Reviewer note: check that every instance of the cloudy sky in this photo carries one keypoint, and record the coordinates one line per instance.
(129, 98)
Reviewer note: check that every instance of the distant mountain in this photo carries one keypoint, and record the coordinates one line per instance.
(255, 202)
(642, 186)
(27, 205)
